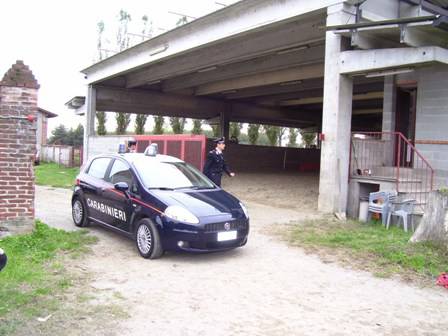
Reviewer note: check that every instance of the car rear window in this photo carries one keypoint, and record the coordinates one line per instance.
(98, 167)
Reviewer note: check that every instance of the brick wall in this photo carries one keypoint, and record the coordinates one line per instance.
(18, 99)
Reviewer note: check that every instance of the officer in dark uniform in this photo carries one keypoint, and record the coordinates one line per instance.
(132, 146)
(3, 259)
(215, 164)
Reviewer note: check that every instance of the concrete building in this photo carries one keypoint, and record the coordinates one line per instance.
(333, 66)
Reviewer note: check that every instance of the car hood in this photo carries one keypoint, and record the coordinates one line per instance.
(201, 203)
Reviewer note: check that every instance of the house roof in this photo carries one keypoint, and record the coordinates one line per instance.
(47, 113)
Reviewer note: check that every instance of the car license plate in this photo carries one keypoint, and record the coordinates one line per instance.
(228, 235)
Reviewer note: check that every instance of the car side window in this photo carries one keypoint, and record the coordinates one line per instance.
(98, 167)
(121, 172)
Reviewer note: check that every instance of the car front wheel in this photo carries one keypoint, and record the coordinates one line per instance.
(148, 240)
(79, 213)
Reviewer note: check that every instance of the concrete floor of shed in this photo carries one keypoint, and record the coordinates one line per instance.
(289, 190)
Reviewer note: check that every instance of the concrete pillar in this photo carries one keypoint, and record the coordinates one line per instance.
(224, 124)
(336, 120)
(90, 114)
(389, 115)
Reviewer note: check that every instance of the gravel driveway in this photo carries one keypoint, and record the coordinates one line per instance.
(265, 288)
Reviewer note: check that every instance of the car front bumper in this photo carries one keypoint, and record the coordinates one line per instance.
(203, 239)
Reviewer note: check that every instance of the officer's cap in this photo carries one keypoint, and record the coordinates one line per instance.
(220, 140)
(132, 143)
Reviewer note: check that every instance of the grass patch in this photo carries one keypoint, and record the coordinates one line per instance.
(35, 272)
(371, 246)
(53, 175)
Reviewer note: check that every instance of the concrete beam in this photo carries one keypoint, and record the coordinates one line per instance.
(152, 102)
(239, 49)
(157, 103)
(279, 60)
(267, 78)
(363, 61)
(416, 36)
(317, 100)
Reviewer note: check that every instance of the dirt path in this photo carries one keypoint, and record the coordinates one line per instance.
(265, 288)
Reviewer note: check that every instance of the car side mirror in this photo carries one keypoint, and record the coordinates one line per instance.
(121, 186)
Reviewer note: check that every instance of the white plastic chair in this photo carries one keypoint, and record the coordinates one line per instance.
(402, 210)
(379, 202)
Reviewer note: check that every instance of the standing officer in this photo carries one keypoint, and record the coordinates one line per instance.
(215, 164)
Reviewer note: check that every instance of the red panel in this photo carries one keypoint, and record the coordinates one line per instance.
(193, 153)
(187, 147)
(141, 145)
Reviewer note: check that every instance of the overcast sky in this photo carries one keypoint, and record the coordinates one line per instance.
(57, 39)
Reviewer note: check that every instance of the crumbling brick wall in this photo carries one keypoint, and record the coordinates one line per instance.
(18, 108)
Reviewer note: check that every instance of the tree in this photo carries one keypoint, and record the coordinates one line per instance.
(281, 134)
(76, 136)
(235, 130)
(58, 135)
(308, 138)
(101, 127)
(140, 121)
(272, 132)
(216, 129)
(122, 33)
(158, 124)
(123, 120)
(177, 124)
(99, 45)
(293, 133)
(253, 132)
(197, 126)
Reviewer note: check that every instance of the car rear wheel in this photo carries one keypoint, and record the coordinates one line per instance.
(148, 240)
(79, 213)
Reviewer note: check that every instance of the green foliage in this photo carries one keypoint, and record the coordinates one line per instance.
(123, 120)
(183, 20)
(33, 272)
(71, 137)
(99, 45)
(309, 139)
(197, 126)
(50, 174)
(388, 249)
(235, 129)
(59, 135)
(177, 124)
(101, 125)
(253, 133)
(140, 121)
(122, 33)
(216, 130)
(158, 124)
(293, 133)
(272, 132)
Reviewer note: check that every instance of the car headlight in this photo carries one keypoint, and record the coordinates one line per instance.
(181, 214)
(246, 213)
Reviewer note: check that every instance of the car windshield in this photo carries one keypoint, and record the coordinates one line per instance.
(172, 175)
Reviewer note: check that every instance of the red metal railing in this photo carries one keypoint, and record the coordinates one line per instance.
(390, 157)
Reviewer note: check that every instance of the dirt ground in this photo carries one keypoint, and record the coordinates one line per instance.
(265, 288)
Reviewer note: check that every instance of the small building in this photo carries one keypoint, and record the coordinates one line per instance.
(42, 126)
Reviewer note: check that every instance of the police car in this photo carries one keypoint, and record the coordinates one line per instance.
(161, 202)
